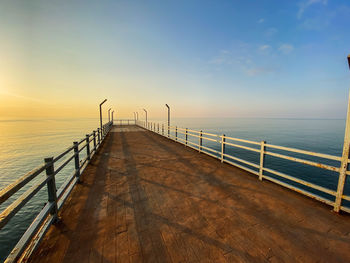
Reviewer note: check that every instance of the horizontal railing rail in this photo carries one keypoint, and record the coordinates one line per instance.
(56, 198)
(125, 122)
(261, 148)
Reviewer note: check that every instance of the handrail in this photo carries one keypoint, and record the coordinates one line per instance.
(9, 190)
(48, 214)
(125, 121)
(321, 155)
(225, 141)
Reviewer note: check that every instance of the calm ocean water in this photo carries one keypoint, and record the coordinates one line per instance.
(25, 143)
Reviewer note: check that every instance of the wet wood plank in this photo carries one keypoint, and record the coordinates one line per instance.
(145, 198)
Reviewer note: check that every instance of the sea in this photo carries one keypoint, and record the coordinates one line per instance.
(25, 143)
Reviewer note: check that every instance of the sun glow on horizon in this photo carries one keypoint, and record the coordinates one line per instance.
(282, 61)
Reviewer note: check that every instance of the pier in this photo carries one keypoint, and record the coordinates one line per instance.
(145, 198)
(149, 192)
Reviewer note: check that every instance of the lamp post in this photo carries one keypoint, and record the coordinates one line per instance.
(344, 160)
(137, 116)
(101, 112)
(168, 118)
(112, 116)
(109, 117)
(146, 115)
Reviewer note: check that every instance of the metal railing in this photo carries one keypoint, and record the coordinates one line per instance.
(263, 149)
(125, 122)
(56, 198)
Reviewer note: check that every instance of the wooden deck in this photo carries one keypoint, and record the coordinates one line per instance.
(145, 198)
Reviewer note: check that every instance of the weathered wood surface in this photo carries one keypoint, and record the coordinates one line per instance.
(145, 198)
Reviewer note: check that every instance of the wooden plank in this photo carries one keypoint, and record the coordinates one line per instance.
(158, 201)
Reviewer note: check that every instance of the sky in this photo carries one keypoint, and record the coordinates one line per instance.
(264, 59)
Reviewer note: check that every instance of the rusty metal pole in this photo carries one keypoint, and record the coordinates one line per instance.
(94, 141)
(109, 117)
(88, 146)
(222, 147)
(176, 133)
(98, 136)
(101, 112)
(186, 136)
(262, 159)
(168, 119)
(344, 159)
(200, 142)
(76, 160)
(51, 186)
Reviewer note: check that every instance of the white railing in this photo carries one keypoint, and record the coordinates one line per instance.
(56, 197)
(262, 149)
(124, 122)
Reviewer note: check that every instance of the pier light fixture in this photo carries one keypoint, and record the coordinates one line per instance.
(101, 112)
(146, 115)
(168, 118)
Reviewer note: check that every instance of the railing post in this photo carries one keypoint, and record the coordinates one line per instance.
(176, 133)
(158, 127)
(94, 141)
(98, 136)
(200, 141)
(76, 160)
(344, 162)
(163, 129)
(262, 159)
(87, 147)
(223, 139)
(186, 136)
(51, 186)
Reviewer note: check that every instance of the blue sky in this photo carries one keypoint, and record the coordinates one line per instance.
(204, 58)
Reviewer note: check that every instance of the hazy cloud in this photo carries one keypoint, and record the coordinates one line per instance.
(261, 20)
(270, 32)
(259, 70)
(286, 48)
(306, 4)
(245, 58)
(264, 47)
(223, 58)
